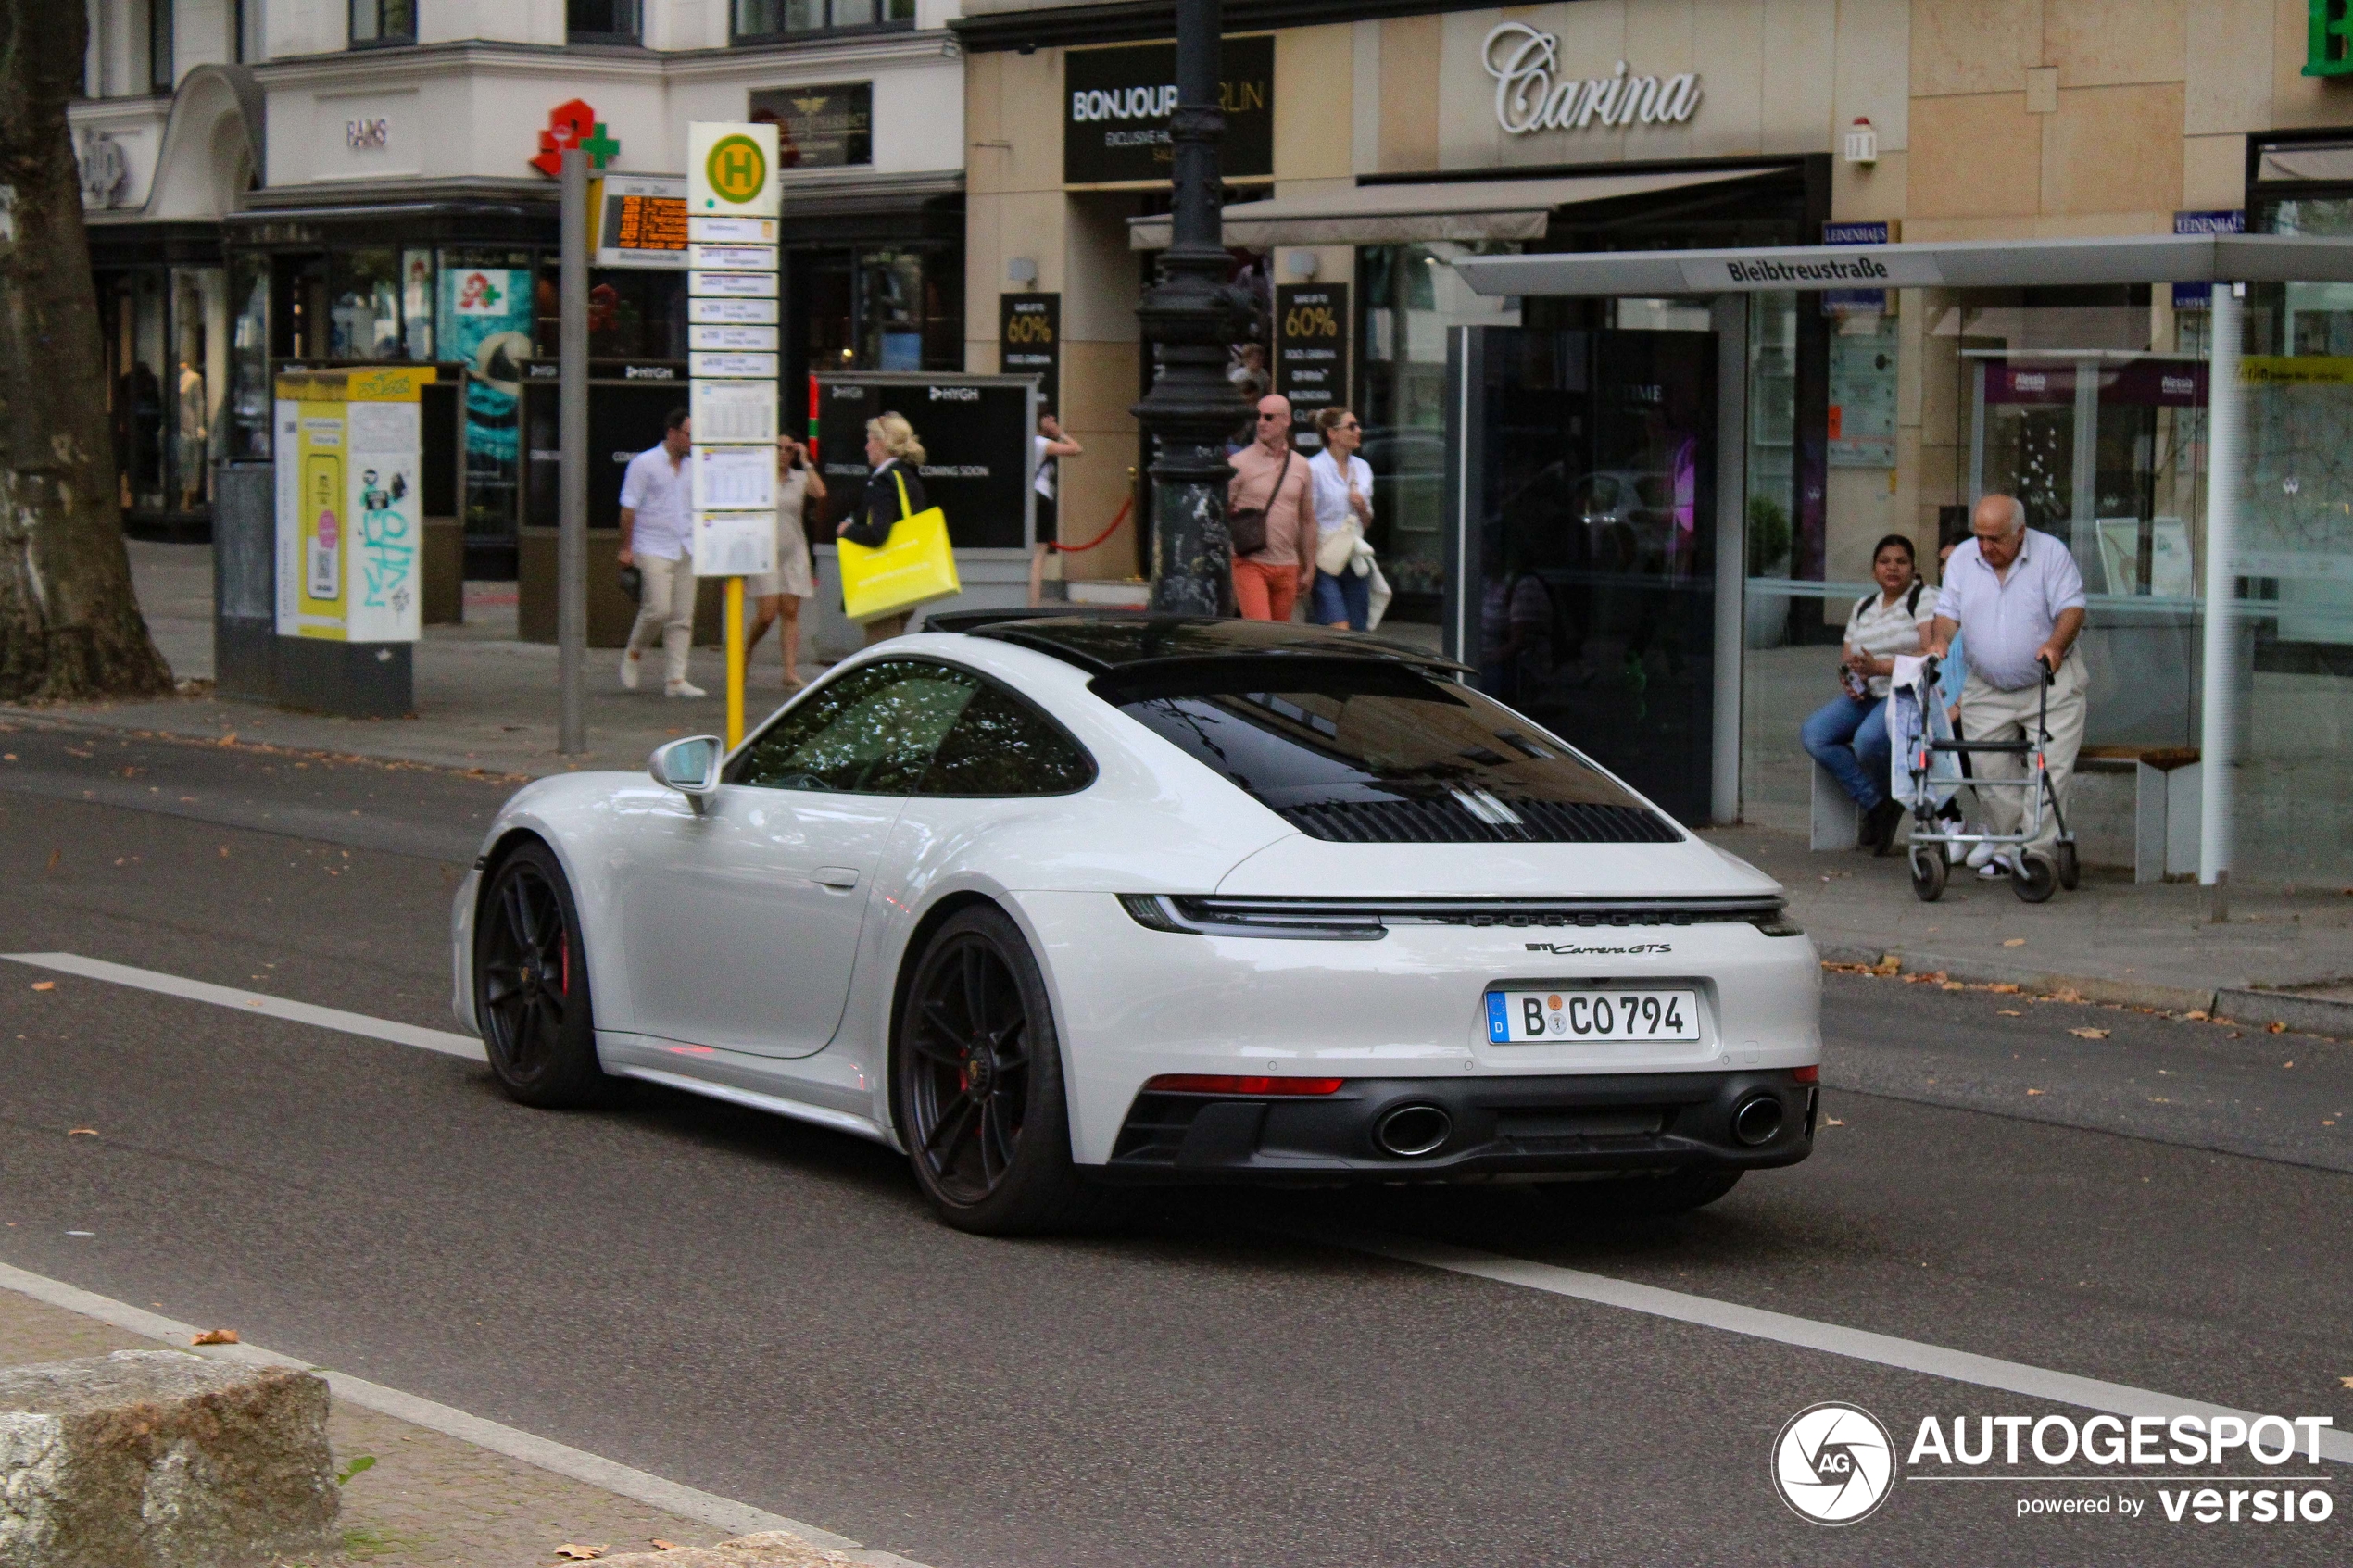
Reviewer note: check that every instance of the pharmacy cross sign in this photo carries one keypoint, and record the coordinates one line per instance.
(573, 124)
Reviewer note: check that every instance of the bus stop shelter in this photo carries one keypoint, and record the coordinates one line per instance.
(1663, 483)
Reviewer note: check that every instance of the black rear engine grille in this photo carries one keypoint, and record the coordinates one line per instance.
(1446, 821)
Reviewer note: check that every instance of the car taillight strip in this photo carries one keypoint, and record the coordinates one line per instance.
(1222, 1084)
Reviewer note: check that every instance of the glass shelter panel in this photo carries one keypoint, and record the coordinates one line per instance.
(1593, 541)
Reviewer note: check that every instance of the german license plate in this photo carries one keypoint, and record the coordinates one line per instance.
(1516, 1018)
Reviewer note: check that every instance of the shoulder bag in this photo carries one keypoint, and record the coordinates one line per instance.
(1246, 526)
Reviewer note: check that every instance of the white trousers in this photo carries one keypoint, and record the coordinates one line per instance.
(667, 611)
(1990, 713)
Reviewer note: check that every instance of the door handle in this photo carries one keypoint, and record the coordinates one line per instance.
(835, 876)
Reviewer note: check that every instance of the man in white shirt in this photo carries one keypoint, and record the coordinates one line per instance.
(2016, 596)
(656, 538)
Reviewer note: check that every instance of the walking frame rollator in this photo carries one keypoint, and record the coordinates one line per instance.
(1937, 827)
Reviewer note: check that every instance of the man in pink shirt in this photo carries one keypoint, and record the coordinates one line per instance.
(1268, 475)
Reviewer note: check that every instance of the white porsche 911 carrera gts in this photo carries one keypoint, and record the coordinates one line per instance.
(1057, 904)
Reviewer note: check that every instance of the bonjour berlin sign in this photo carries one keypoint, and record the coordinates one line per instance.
(1532, 94)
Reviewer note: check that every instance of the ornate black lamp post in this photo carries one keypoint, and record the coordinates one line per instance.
(1188, 319)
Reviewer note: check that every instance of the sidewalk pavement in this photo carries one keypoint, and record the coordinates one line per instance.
(486, 702)
(431, 1500)
(2286, 957)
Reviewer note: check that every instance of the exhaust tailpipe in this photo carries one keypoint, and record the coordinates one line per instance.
(1411, 1131)
(1758, 1120)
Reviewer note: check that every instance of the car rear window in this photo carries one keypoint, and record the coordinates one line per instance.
(1360, 750)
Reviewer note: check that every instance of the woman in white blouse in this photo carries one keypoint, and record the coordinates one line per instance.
(1342, 483)
(1848, 733)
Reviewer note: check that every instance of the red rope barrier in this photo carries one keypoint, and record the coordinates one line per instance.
(1079, 549)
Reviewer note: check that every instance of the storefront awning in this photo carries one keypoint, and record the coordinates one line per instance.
(2120, 258)
(1407, 214)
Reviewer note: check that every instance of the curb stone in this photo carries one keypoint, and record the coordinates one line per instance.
(596, 1470)
(2307, 1015)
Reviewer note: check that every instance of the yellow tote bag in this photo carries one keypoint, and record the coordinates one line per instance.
(913, 566)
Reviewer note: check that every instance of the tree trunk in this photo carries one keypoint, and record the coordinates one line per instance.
(70, 622)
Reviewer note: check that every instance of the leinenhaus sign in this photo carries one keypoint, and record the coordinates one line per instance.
(1532, 93)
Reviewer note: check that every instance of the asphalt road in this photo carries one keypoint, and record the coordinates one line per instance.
(765, 1311)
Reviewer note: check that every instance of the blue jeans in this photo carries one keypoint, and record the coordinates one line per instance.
(1346, 598)
(1849, 737)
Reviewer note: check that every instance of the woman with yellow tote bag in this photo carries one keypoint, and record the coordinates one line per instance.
(893, 548)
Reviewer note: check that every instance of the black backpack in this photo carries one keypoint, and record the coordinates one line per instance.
(1911, 604)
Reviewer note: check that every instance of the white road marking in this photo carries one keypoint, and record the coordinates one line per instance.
(1907, 1355)
(441, 1040)
(706, 1508)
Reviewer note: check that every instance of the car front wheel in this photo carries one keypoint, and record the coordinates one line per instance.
(530, 985)
(977, 1085)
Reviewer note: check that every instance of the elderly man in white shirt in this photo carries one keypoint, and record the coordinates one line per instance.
(2015, 595)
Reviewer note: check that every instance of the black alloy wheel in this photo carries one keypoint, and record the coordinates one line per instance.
(978, 1083)
(530, 985)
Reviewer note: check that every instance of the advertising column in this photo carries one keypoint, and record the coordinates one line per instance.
(732, 361)
(350, 570)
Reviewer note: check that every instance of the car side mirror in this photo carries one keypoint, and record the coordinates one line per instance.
(689, 766)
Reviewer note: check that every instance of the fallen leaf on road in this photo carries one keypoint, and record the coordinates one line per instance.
(55, 856)
(1832, 1122)
(2276, 1028)
(1954, 985)
(2033, 1091)
(2347, 1381)
(2005, 988)
(2287, 1064)
(579, 1553)
(660, 1545)
(81, 1132)
(215, 1336)
(2014, 942)
(229, 739)
(2089, 1034)
(44, 984)
(2199, 1016)
(1889, 963)
(2009, 1012)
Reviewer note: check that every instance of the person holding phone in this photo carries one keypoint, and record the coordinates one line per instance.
(777, 593)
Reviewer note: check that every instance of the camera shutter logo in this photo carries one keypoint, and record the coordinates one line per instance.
(1833, 1464)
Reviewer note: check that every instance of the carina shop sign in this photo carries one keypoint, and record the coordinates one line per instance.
(1532, 94)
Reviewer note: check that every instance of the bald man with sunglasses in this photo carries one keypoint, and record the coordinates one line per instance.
(1268, 474)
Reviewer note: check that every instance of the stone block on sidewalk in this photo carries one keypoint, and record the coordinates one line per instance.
(152, 1459)
(770, 1548)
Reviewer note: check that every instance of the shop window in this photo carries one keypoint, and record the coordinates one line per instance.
(483, 318)
(199, 377)
(631, 314)
(819, 127)
(1408, 298)
(161, 74)
(603, 21)
(137, 342)
(247, 436)
(378, 22)
(364, 310)
(758, 20)
(910, 310)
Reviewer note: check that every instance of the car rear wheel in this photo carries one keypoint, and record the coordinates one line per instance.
(530, 985)
(977, 1085)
